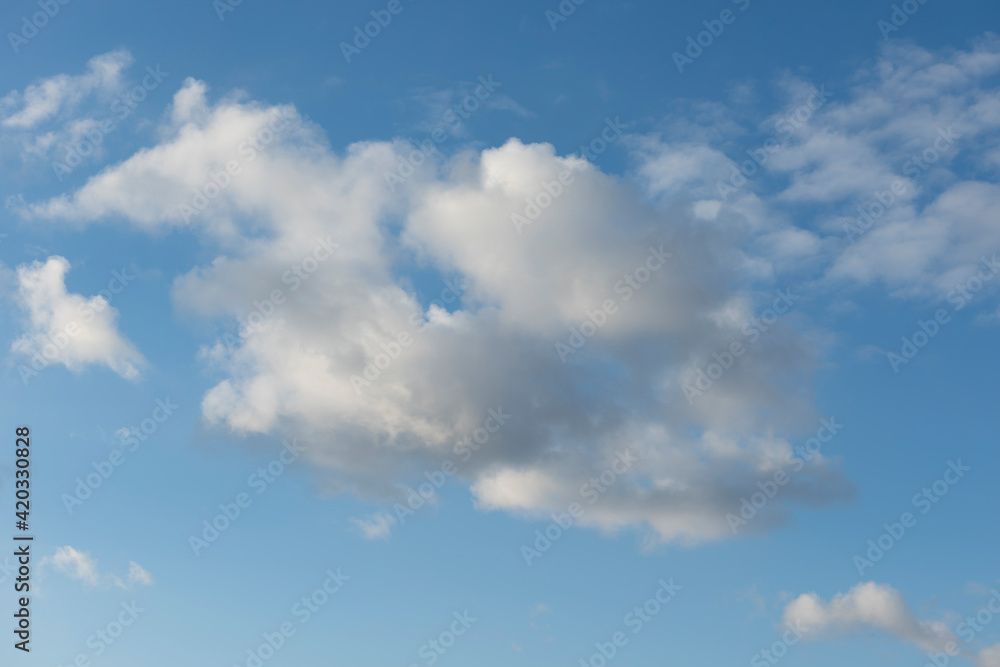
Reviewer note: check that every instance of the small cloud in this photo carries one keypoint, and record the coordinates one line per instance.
(47, 98)
(743, 93)
(987, 319)
(976, 588)
(867, 606)
(55, 314)
(82, 567)
(138, 575)
(376, 527)
(333, 81)
(869, 352)
(440, 106)
(540, 608)
(504, 103)
(752, 596)
(75, 565)
(536, 611)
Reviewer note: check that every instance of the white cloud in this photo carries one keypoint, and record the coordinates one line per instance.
(524, 293)
(376, 527)
(871, 606)
(138, 575)
(867, 606)
(83, 567)
(49, 97)
(76, 565)
(67, 328)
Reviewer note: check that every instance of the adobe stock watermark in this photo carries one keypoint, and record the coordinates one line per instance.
(121, 108)
(303, 610)
(104, 638)
(924, 501)
(779, 649)
(450, 120)
(627, 287)
(882, 201)
(8, 568)
(433, 649)
(51, 349)
(959, 297)
(562, 12)
(594, 148)
(901, 13)
(259, 481)
(635, 620)
(533, 207)
(223, 7)
(219, 180)
(713, 30)
(381, 18)
(786, 126)
(912, 344)
(796, 459)
(963, 293)
(968, 629)
(705, 378)
(38, 20)
(130, 438)
(551, 190)
(592, 490)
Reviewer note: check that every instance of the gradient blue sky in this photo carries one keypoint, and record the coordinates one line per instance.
(658, 183)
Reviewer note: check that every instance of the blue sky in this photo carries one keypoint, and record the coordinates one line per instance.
(503, 338)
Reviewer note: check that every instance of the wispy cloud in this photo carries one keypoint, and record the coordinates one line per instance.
(83, 567)
(376, 527)
(47, 98)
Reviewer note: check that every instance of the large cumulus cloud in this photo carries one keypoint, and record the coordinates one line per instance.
(329, 335)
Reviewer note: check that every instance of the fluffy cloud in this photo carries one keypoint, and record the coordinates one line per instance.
(67, 328)
(326, 335)
(295, 219)
(871, 606)
(867, 606)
